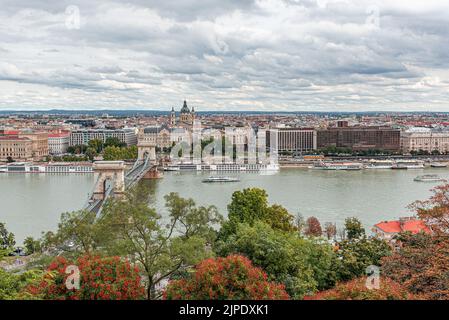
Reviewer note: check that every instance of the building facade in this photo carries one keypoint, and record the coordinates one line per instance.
(83, 136)
(424, 139)
(293, 140)
(157, 135)
(15, 148)
(360, 138)
(39, 143)
(58, 143)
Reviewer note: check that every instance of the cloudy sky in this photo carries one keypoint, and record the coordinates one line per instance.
(282, 55)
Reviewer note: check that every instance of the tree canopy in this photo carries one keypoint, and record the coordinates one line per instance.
(302, 265)
(230, 278)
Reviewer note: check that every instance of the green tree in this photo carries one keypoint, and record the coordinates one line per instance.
(91, 153)
(114, 142)
(32, 245)
(96, 144)
(358, 251)
(303, 265)
(161, 247)
(77, 149)
(78, 233)
(251, 205)
(354, 229)
(12, 285)
(7, 239)
(112, 153)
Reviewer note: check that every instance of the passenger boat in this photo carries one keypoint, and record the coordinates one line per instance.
(380, 164)
(225, 167)
(399, 167)
(61, 167)
(428, 178)
(338, 166)
(172, 168)
(408, 164)
(438, 165)
(212, 179)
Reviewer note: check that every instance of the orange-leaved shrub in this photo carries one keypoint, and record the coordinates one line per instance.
(230, 278)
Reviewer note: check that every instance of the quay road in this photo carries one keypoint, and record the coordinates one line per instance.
(300, 163)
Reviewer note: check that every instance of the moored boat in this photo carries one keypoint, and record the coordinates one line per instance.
(438, 165)
(338, 166)
(220, 179)
(428, 178)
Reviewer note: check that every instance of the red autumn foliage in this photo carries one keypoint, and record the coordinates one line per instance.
(435, 211)
(421, 266)
(108, 278)
(230, 278)
(313, 227)
(357, 290)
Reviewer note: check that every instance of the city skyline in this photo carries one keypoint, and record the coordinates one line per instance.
(276, 56)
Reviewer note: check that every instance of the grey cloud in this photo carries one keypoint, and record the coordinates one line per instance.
(280, 54)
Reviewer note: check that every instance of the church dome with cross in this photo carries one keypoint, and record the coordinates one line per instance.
(187, 116)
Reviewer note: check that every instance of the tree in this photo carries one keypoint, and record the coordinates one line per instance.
(114, 142)
(91, 153)
(354, 228)
(77, 233)
(109, 278)
(356, 255)
(31, 245)
(300, 223)
(96, 145)
(302, 265)
(251, 205)
(112, 153)
(13, 286)
(435, 211)
(313, 227)
(421, 265)
(162, 247)
(230, 278)
(357, 290)
(330, 230)
(77, 149)
(7, 239)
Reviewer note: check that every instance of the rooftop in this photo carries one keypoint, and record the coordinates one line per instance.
(411, 225)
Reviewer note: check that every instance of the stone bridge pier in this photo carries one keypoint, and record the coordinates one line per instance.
(109, 173)
(145, 148)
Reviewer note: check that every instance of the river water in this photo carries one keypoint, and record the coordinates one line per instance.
(31, 203)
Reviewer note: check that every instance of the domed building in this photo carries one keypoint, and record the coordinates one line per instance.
(187, 116)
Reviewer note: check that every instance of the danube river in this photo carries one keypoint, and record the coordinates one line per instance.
(31, 203)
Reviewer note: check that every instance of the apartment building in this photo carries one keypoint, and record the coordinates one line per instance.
(360, 138)
(425, 139)
(292, 139)
(83, 136)
(58, 143)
